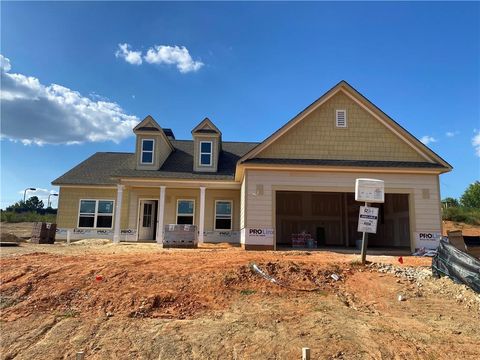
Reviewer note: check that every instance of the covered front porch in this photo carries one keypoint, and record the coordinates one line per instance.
(149, 209)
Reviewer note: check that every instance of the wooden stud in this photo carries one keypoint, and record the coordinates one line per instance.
(305, 353)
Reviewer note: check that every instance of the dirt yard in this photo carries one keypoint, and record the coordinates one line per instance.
(467, 229)
(23, 230)
(141, 302)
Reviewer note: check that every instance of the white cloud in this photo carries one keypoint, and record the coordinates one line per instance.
(4, 63)
(34, 113)
(161, 54)
(173, 55)
(132, 57)
(427, 139)
(476, 143)
(452, 133)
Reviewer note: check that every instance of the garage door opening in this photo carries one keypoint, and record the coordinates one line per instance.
(330, 219)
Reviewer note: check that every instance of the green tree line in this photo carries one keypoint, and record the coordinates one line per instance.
(465, 209)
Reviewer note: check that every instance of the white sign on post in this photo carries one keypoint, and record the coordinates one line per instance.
(367, 219)
(370, 190)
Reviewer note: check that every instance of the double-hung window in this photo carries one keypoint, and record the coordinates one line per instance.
(185, 212)
(96, 214)
(223, 215)
(147, 151)
(205, 153)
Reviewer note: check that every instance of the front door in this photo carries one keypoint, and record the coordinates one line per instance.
(147, 220)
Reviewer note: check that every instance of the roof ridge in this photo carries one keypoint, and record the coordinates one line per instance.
(223, 141)
(113, 152)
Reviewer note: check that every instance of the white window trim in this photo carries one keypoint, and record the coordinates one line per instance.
(205, 153)
(215, 217)
(148, 151)
(192, 215)
(95, 215)
(336, 118)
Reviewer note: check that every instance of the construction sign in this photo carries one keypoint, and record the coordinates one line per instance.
(367, 219)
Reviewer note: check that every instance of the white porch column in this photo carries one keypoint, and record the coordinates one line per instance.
(118, 214)
(201, 225)
(160, 215)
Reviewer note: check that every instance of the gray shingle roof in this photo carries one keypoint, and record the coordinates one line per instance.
(103, 167)
(329, 162)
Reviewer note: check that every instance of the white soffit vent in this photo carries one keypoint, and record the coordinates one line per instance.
(341, 118)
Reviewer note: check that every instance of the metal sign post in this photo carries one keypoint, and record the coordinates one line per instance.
(369, 191)
(364, 244)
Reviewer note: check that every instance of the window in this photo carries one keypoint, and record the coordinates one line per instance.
(341, 118)
(223, 215)
(185, 212)
(205, 153)
(147, 151)
(147, 215)
(96, 214)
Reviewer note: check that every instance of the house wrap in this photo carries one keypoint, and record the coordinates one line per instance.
(300, 180)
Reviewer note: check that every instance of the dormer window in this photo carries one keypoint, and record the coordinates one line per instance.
(147, 151)
(205, 153)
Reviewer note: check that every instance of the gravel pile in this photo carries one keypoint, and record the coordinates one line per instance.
(411, 273)
(421, 280)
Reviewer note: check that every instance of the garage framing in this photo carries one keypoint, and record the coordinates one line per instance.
(329, 189)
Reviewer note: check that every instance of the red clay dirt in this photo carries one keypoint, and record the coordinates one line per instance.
(467, 229)
(119, 302)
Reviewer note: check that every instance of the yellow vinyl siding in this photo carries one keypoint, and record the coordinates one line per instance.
(214, 194)
(364, 138)
(69, 200)
(173, 194)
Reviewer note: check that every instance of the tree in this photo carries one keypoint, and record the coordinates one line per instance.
(450, 202)
(34, 203)
(471, 196)
(17, 206)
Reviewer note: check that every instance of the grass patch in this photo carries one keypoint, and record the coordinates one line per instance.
(69, 313)
(7, 301)
(247, 292)
(356, 262)
(13, 217)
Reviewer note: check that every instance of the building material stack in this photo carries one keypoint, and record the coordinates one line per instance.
(180, 236)
(43, 233)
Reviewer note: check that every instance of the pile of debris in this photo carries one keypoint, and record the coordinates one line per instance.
(92, 242)
(8, 239)
(414, 274)
(422, 278)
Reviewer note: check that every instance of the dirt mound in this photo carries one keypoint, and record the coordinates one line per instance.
(135, 288)
(91, 242)
(8, 237)
(467, 229)
(290, 275)
(207, 304)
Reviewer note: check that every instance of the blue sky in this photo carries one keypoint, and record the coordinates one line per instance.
(250, 67)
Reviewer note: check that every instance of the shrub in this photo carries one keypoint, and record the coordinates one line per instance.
(462, 214)
(14, 217)
(471, 196)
